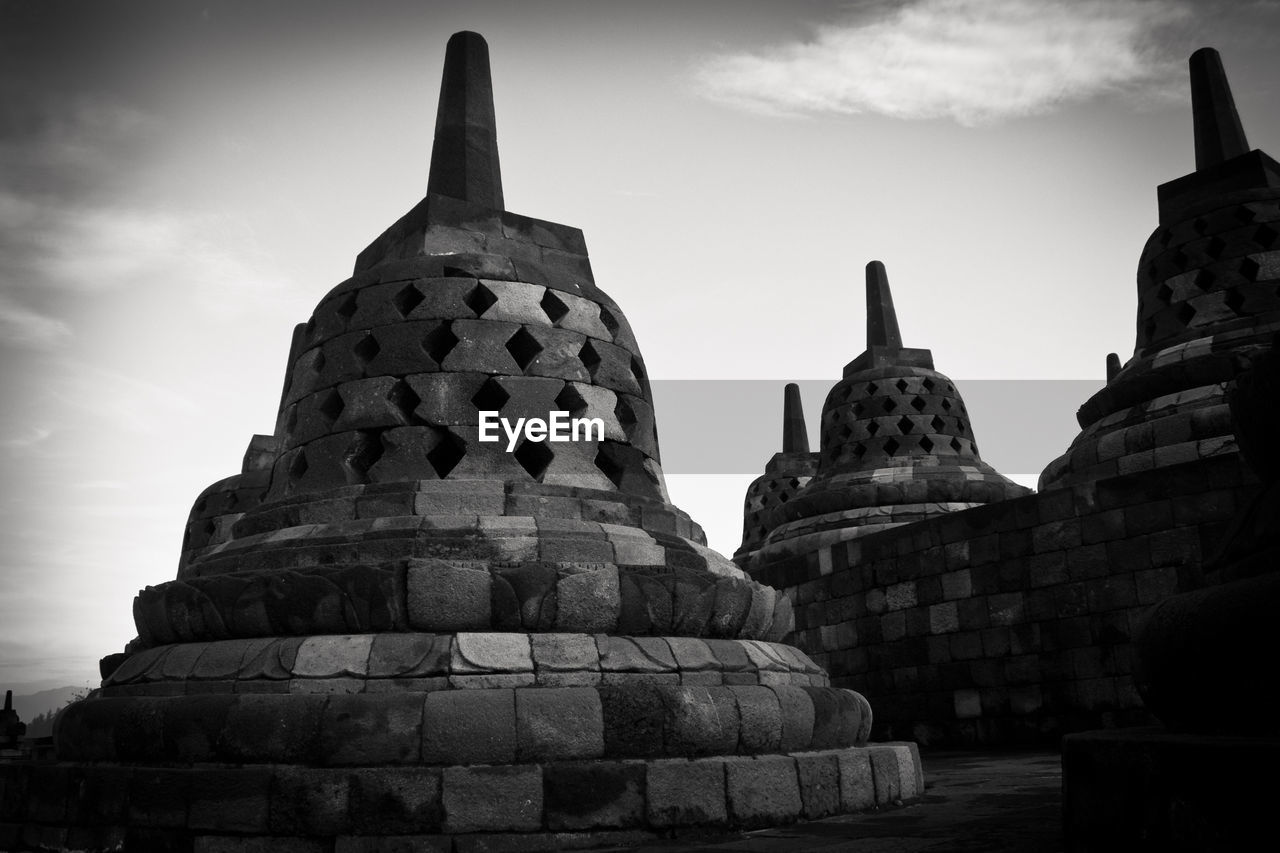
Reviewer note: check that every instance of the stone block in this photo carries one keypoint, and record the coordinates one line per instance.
(410, 656)
(558, 723)
(564, 653)
(695, 725)
(944, 618)
(760, 715)
(469, 727)
(276, 728)
(857, 782)
(594, 795)
(885, 774)
(635, 654)
(231, 800)
(819, 776)
(492, 799)
(389, 801)
(588, 601)
(446, 598)
(762, 790)
(635, 717)
(491, 652)
(364, 730)
(306, 801)
(681, 792)
(333, 656)
(796, 710)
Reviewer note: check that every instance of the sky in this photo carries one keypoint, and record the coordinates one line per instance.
(182, 183)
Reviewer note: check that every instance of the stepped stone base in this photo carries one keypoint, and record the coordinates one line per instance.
(208, 808)
(1149, 789)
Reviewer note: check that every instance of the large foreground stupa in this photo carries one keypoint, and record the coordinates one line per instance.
(387, 633)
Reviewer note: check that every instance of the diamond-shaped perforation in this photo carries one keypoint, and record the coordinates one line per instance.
(872, 428)
(590, 358)
(491, 397)
(625, 414)
(1186, 313)
(926, 444)
(569, 400)
(892, 446)
(1249, 269)
(439, 342)
(298, 467)
(318, 364)
(331, 406)
(872, 388)
(1265, 236)
(845, 393)
(1215, 247)
(937, 423)
(1205, 279)
(447, 453)
(918, 403)
(347, 309)
(858, 409)
(405, 399)
(1245, 215)
(408, 298)
(534, 457)
(905, 425)
(553, 306)
(610, 466)
(957, 445)
(1164, 293)
(773, 485)
(889, 404)
(859, 450)
(480, 299)
(610, 322)
(901, 385)
(1234, 300)
(927, 384)
(524, 347)
(367, 349)
(363, 453)
(946, 405)
(637, 370)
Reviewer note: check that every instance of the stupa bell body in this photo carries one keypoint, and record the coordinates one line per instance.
(388, 626)
(897, 446)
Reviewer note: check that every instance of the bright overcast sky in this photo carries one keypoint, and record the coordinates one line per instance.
(183, 182)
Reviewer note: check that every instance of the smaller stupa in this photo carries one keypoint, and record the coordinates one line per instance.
(897, 446)
(784, 475)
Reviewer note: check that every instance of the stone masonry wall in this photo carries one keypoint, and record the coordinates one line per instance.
(1011, 622)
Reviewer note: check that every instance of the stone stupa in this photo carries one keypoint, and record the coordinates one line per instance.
(387, 633)
(897, 446)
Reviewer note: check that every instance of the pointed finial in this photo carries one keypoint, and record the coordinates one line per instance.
(882, 321)
(464, 157)
(1113, 366)
(8, 700)
(795, 437)
(1219, 134)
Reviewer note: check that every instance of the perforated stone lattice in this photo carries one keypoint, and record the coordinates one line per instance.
(387, 356)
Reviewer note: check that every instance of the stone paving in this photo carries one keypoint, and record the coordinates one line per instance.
(994, 802)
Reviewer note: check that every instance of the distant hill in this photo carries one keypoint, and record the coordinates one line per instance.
(43, 702)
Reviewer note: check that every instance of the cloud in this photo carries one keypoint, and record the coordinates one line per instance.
(22, 327)
(972, 61)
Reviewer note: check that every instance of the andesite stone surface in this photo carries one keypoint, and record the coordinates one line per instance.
(385, 631)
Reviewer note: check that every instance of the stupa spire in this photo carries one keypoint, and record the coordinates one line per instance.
(464, 156)
(1219, 134)
(882, 320)
(795, 436)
